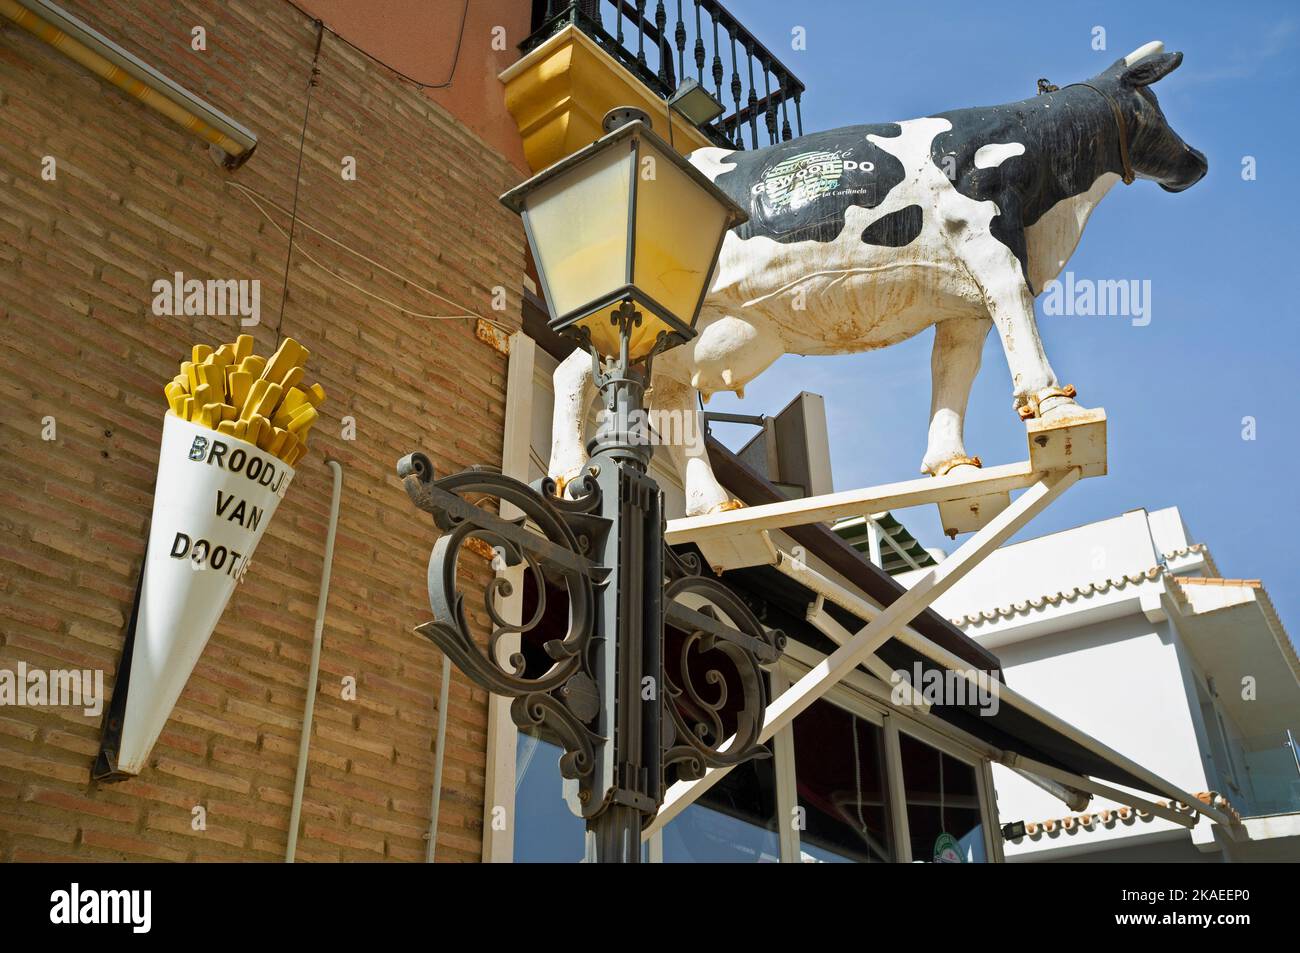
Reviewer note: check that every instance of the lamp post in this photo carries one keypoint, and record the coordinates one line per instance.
(625, 234)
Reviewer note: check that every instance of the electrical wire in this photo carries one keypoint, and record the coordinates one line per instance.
(455, 59)
(254, 196)
(297, 180)
(250, 194)
(857, 776)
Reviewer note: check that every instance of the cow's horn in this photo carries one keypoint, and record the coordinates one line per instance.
(1142, 52)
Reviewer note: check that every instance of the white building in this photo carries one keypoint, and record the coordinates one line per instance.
(1127, 629)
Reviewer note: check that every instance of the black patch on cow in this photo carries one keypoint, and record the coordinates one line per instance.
(1071, 139)
(1068, 138)
(799, 190)
(895, 229)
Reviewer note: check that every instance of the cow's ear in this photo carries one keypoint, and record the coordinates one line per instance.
(1151, 69)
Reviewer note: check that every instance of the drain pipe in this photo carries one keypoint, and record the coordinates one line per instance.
(441, 743)
(313, 675)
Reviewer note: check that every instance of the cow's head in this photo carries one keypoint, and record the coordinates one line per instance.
(1155, 150)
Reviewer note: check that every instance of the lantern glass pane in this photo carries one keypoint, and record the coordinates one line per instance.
(578, 222)
(678, 227)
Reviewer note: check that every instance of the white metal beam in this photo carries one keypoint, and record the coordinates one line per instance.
(885, 626)
(821, 619)
(1073, 798)
(1020, 762)
(847, 600)
(931, 729)
(787, 794)
(897, 793)
(832, 506)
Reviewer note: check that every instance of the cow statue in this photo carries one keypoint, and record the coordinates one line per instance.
(861, 237)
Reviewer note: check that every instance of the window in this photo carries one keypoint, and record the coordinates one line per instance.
(1216, 733)
(842, 792)
(546, 831)
(944, 820)
(734, 822)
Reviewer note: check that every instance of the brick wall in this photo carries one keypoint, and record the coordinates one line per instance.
(136, 199)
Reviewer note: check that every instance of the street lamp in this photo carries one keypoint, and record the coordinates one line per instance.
(625, 234)
(625, 220)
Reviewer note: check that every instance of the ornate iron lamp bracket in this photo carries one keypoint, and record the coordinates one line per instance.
(552, 540)
(695, 730)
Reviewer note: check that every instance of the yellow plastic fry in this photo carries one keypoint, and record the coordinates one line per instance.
(240, 382)
(213, 376)
(255, 394)
(292, 377)
(283, 359)
(294, 397)
(243, 347)
(266, 434)
(276, 442)
(288, 446)
(270, 398)
(200, 353)
(303, 419)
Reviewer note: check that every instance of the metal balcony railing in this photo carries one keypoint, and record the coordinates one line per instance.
(761, 90)
(1273, 773)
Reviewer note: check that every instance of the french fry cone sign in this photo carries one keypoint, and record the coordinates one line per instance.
(237, 425)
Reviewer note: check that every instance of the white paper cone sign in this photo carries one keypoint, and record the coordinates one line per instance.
(214, 498)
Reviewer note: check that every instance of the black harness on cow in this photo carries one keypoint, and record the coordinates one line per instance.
(1045, 87)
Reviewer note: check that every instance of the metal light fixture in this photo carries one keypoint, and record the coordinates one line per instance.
(695, 103)
(625, 234)
(625, 220)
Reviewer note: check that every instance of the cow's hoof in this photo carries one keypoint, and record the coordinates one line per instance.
(956, 463)
(1047, 403)
(943, 467)
(726, 506)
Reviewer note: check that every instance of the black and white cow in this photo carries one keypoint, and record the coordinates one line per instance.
(863, 236)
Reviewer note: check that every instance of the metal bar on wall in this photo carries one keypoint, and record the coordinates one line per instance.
(97, 53)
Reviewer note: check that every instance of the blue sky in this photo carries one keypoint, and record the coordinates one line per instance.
(1224, 338)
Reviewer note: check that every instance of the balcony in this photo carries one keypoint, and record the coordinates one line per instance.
(588, 56)
(1274, 774)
